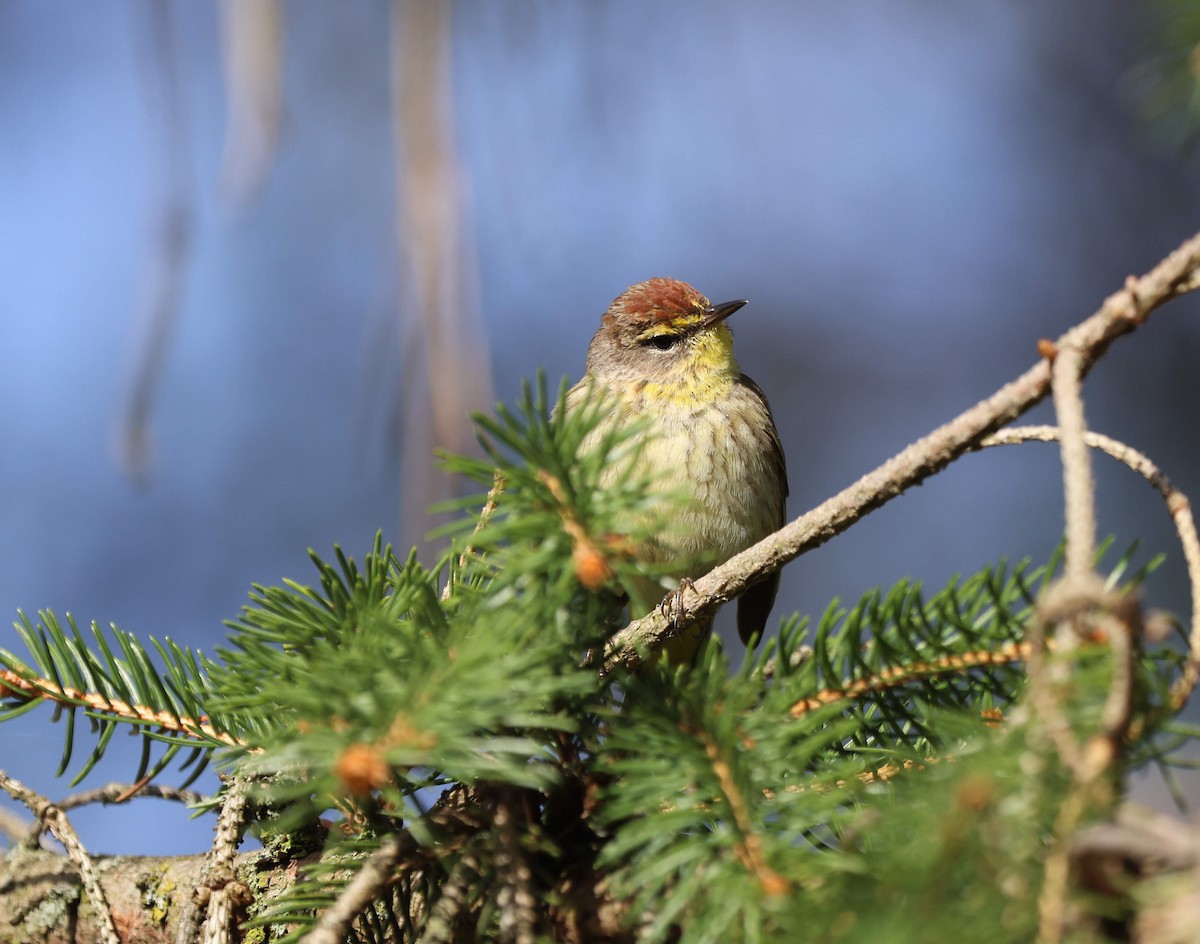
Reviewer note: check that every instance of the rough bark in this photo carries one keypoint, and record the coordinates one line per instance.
(42, 899)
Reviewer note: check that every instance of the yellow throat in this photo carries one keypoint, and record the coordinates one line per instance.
(707, 373)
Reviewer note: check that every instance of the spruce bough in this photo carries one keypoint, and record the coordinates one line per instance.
(442, 749)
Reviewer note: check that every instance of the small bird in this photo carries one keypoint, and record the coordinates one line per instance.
(664, 354)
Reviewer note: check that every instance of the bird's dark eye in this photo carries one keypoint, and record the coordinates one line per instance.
(663, 342)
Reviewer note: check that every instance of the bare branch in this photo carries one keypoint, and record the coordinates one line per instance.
(1178, 506)
(114, 793)
(218, 889)
(1078, 486)
(60, 827)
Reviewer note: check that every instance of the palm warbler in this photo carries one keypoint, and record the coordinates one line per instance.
(664, 354)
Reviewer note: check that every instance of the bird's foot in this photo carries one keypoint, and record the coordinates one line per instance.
(672, 605)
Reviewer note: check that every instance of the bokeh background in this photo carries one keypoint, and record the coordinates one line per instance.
(254, 265)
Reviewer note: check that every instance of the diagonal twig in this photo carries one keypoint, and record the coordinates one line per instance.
(362, 890)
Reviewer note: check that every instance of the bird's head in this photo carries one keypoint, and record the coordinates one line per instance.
(668, 340)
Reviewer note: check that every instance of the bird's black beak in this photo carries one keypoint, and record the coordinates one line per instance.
(717, 313)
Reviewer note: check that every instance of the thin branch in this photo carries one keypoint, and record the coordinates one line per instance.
(898, 675)
(362, 890)
(160, 297)
(1053, 899)
(748, 845)
(13, 684)
(252, 37)
(1071, 603)
(444, 322)
(1090, 765)
(1178, 506)
(114, 793)
(1069, 598)
(60, 827)
(1121, 313)
(1078, 485)
(1079, 605)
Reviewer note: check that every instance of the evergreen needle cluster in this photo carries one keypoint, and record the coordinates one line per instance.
(879, 775)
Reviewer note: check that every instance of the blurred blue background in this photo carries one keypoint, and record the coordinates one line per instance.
(909, 194)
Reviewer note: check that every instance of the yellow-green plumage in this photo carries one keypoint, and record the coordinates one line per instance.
(664, 355)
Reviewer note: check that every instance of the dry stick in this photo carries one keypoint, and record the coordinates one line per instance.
(1073, 603)
(58, 824)
(1078, 486)
(362, 890)
(115, 793)
(1179, 508)
(1090, 765)
(1122, 312)
(120, 793)
(1077, 595)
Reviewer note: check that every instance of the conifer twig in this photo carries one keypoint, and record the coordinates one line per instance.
(748, 845)
(898, 675)
(218, 895)
(1122, 312)
(27, 688)
(361, 891)
(56, 821)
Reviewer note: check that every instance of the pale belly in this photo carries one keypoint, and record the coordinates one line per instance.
(726, 475)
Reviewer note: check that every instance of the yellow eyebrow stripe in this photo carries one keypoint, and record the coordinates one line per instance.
(675, 326)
